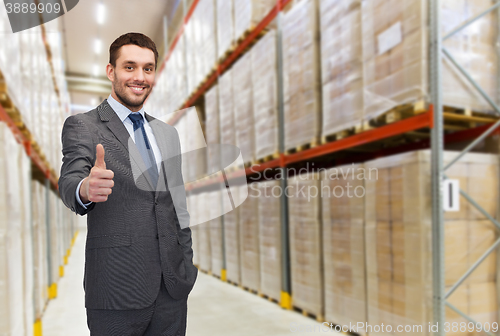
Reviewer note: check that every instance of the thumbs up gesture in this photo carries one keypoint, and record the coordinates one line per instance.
(97, 186)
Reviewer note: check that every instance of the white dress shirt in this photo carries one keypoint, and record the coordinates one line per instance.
(123, 113)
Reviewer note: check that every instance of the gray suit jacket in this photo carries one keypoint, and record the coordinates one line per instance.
(140, 232)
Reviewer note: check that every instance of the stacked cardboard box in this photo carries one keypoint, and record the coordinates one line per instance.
(226, 114)
(248, 14)
(395, 54)
(304, 205)
(398, 240)
(213, 130)
(249, 238)
(215, 225)
(243, 107)
(225, 26)
(341, 65)
(232, 243)
(343, 244)
(265, 96)
(302, 73)
(270, 238)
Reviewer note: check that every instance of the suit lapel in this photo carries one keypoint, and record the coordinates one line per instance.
(115, 125)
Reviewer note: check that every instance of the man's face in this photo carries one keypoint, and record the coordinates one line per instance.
(133, 76)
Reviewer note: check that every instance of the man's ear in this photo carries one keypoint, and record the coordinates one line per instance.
(110, 72)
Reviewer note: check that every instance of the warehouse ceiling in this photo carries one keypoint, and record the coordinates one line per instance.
(104, 21)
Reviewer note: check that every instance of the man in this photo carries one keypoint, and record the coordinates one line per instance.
(122, 168)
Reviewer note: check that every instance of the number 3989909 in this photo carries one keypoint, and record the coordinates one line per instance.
(30, 7)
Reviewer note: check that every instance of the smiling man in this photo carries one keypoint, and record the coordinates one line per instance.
(138, 256)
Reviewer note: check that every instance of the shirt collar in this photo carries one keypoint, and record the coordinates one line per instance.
(121, 110)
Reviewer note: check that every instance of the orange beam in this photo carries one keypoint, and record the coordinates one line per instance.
(21, 139)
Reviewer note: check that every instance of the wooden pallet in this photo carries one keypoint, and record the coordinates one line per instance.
(267, 297)
(232, 283)
(313, 143)
(317, 317)
(267, 158)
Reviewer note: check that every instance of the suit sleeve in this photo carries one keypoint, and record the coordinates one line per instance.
(78, 152)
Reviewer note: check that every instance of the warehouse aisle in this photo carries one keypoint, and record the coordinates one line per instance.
(214, 307)
(65, 315)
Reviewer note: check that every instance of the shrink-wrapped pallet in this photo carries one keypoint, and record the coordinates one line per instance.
(248, 14)
(304, 206)
(341, 65)
(226, 115)
(196, 157)
(232, 243)
(225, 26)
(243, 107)
(38, 202)
(343, 244)
(215, 225)
(27, 239)
(175, 69)
(200, 43)
(203, 208)
(11, 251)
(249, 238)
(396, 49)
(212, 130)
(270, 238)
(265, 96)
(301, 69)
(399, 247)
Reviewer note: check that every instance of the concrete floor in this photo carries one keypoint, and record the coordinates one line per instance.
(214, 308)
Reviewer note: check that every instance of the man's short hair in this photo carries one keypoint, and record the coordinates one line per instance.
(137, 39)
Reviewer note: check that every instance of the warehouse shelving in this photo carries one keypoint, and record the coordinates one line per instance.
(433, 120)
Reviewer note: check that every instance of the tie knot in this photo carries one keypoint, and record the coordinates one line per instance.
(137, 119)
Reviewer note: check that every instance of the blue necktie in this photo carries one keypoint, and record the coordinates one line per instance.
(142, 143)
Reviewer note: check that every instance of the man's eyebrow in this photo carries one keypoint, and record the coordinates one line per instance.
(134, 63)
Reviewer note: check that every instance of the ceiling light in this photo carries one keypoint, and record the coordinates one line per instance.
(97, 46)
(93, 101)
(96, 70)
(101, 13)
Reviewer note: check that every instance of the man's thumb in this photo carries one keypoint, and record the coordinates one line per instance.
(99, 159)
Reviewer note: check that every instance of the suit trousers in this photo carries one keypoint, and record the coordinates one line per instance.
(165, 317)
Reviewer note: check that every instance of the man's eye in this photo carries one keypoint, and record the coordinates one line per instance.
(149, 69)
(129, 68)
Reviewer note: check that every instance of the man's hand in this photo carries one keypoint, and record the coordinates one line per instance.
(97, 186)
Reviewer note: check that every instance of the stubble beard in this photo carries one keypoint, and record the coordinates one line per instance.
(120, 91)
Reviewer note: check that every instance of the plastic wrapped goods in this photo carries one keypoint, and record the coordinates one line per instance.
(226, 108)
(343, 244)
(205, 256)
(249, 238)
(396, 47)
(232, 244)
(265, 96)
(200, 43)
(270, 238)
(248, 14)
(399, 244)
(243, 107)
(225, 26)
(305, 243)
(301, 69)
(341, 65)
(11, 252)
(212, 130)
(215, 225)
